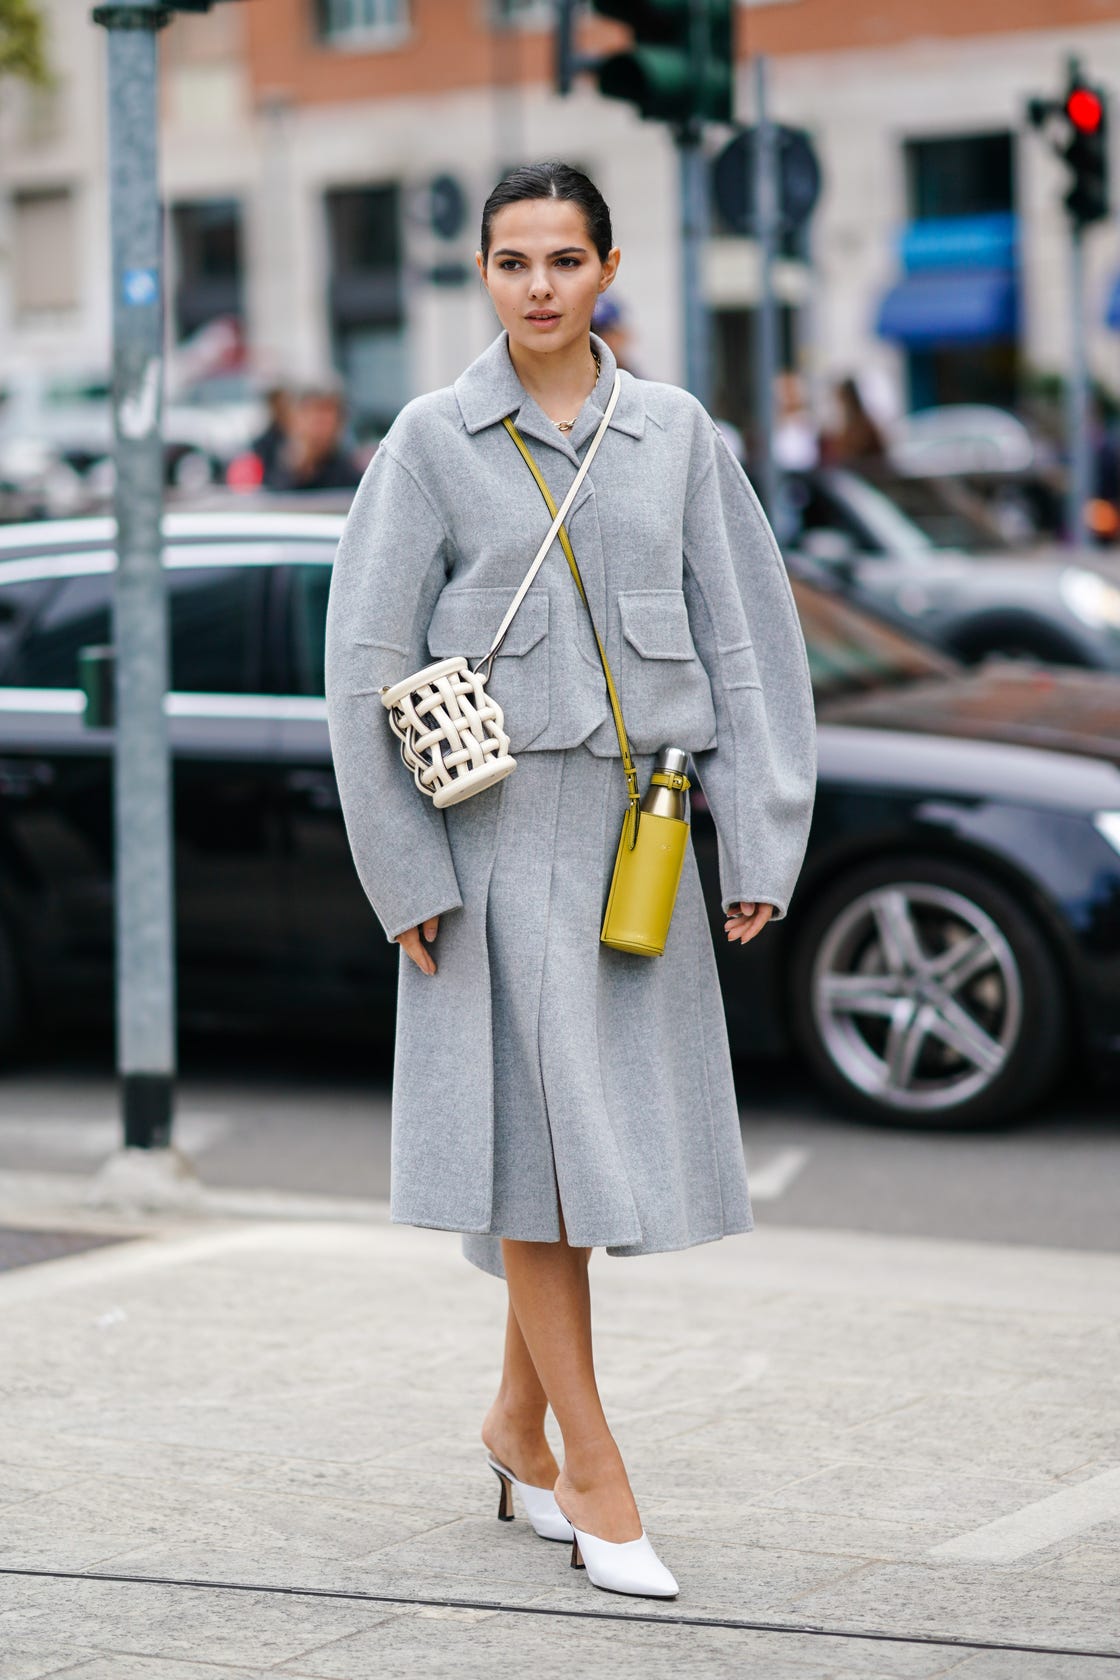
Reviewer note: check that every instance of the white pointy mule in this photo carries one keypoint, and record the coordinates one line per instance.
(539, 1503)
(628, 1566)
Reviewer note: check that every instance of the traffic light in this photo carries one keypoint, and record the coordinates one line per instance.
(1086, 112)
(1076, 127)
(681, 65)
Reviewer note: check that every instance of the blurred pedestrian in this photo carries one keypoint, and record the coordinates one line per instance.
(796, 443)
(270, 445)
(611, 322)
(553, 1095)
(855, 439)
(315, 454)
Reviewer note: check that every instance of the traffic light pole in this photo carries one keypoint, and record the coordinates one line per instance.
(694, 229)
(1076, 125)
(763, 467)
(145, 974)
(1078, 397)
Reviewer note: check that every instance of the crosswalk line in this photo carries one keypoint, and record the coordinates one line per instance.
(774, 1177)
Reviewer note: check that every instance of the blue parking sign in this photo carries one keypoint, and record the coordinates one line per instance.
(140, 286)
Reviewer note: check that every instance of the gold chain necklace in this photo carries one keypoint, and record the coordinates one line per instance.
(566, 425)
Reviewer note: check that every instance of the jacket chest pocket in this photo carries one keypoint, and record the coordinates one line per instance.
(666, 695)
(464, 622)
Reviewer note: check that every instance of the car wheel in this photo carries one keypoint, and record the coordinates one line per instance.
(923, 994)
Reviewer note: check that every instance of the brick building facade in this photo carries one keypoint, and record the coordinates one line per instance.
(301, 138)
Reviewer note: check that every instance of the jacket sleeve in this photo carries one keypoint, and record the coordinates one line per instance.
(388, 573)
(760, 777)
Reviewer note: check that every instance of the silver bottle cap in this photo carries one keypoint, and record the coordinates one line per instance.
(672, 760)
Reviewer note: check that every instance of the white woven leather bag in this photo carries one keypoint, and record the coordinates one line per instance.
(452, 733)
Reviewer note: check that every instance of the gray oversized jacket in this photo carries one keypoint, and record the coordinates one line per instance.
(684, 578)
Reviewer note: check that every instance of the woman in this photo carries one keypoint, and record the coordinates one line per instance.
(552, 1095)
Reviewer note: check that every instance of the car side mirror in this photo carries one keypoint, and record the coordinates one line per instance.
(832, 548)
(97, 680)
(828, 544)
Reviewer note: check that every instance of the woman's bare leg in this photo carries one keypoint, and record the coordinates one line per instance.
(550, 1294)
(513, 1428)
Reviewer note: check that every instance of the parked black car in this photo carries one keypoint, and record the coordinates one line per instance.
(954, 938)
(925, 559)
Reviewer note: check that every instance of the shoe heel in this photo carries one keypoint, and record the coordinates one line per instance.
(577, 1557)
(505, 1497)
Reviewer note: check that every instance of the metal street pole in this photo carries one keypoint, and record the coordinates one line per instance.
(694, 230)
(145, 967)
(764, 470)
(1078, 398)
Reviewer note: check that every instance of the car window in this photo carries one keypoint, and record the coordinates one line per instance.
(807, 509)
(307, 622)
(18, 602)
(888, 529)
(912, 516)
(944, 512)
(75, 615)
(215, 614)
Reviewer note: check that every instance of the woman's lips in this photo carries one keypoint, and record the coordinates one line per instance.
(542, 320)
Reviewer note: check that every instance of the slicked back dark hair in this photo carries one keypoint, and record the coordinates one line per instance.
(551, 180)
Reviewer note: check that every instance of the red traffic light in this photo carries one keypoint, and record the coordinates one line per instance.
(1085, 110)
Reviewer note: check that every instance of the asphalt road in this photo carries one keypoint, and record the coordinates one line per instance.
(298, 1118)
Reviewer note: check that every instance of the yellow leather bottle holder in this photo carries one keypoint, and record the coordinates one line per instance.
(651, 848)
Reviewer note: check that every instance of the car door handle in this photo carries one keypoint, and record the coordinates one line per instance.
(318, 788)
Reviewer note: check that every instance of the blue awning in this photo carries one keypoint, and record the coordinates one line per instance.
(950, 307)
(958, 242)
(1112, 313)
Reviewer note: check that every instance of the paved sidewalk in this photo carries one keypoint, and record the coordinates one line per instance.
(236, 1447)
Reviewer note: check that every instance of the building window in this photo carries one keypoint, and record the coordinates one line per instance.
(45, 251)
(962, 188)
(734, 353)
(361, 22)
(366, 301)
(959, 175)
(208, 262)
(536, 14)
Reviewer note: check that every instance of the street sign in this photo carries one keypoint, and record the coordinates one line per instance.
(799, 179)
(449, 273)
(447, 206)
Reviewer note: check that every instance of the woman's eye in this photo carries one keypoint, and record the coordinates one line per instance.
(509, 263)
(568, 262)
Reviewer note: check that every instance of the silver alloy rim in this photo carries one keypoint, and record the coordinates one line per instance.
(917, 997)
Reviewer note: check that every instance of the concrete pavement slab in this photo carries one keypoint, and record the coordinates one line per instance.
(1009, 1665)
(190, 1623)
(1026, 1606)
(37, 1664)
(115, 1666)
(807, 1415)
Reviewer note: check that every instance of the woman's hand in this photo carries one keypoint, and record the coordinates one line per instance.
(416, 947)
(745, 919)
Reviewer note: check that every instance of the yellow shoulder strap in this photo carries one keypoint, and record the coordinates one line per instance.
(616, 705)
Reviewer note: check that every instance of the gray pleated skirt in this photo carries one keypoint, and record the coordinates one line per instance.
(612, 1085)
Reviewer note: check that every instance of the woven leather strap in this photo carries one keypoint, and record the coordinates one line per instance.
(632, 792)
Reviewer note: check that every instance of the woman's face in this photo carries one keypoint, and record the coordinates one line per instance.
(543, 273)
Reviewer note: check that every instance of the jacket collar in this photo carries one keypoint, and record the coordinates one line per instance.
(489, 390)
